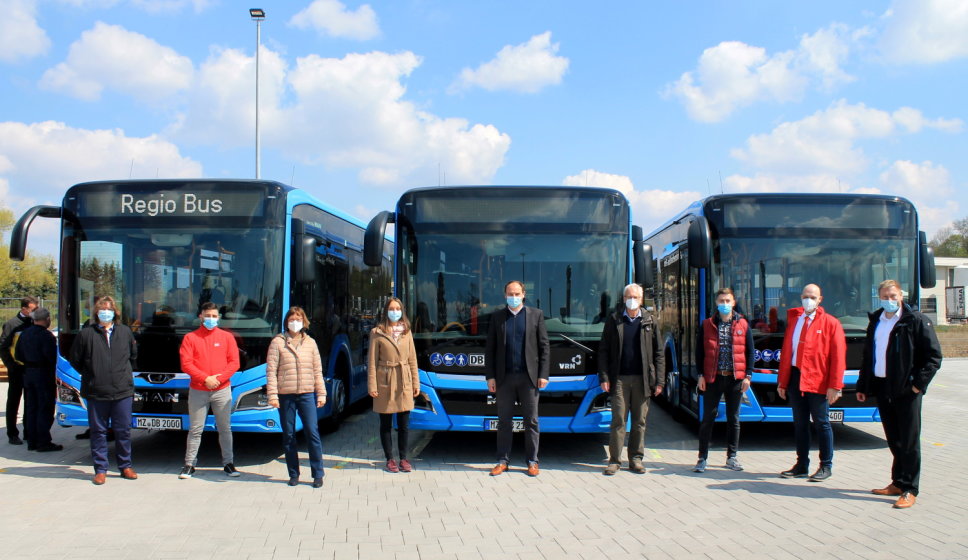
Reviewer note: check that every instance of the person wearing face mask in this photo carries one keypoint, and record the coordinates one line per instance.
(105, 354)
(725, 361)
(210, 356)
(516, 359)
(393, 380)
(811, 376)
(901, 356)
(631, 363)
(294, 385)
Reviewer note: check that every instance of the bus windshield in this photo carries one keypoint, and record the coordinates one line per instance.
(456, 280)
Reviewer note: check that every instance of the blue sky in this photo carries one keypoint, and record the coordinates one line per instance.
(667, 102)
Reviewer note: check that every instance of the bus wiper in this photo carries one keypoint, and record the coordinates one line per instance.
(576, 343)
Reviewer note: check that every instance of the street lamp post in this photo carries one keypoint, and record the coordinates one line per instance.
(257, 15)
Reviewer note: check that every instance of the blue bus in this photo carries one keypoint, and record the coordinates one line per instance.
(456, 247)
(162, 248)
(766, 247)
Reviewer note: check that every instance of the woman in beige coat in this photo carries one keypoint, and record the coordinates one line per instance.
(294, 385)
(393, 380)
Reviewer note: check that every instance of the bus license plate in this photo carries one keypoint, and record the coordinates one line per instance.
(516, 425)
(836, 416)
(159, 423)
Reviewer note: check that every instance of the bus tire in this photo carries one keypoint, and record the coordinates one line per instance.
(338, 399)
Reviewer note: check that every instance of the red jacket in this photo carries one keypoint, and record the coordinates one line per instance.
(209, 352)
(824, 353)
(742, 347)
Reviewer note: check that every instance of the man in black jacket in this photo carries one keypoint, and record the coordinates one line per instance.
(37, 350)
(901, 356)
(631, 365)
(104, 353)
(15, 371)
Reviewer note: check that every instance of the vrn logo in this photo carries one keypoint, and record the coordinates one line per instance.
(573, 364)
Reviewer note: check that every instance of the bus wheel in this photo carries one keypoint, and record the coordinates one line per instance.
(338, 401)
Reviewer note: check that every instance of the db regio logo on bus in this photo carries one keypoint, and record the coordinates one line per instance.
(766, 355)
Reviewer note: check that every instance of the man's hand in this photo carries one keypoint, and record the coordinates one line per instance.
(605, 386)
(861, 397)
(832, 395)
(542, 383)
(212, 382)
(492, 386)
(274, 403)
(782, 392)
(746, 384)
(702, 383)
(658, 391)
(915, 389)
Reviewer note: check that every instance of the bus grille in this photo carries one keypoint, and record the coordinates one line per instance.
(468, 403)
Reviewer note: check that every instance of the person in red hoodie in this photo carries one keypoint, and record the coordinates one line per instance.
(812, 364)
(210, 356)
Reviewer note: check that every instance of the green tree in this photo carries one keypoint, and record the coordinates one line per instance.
(35, 276)
(951, 241)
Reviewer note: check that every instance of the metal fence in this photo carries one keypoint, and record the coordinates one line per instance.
(11, 306)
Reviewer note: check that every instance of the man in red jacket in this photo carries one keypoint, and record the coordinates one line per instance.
(210, 356)
(812, 364)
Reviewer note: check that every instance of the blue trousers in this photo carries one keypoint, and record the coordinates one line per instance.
(117, 416)
(805, 406)
(304, 405)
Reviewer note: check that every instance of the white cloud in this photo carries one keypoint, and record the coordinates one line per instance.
(330, 17)
(526, 68)
(343, 113)
(807, 183)
(109, 56)
(825, 142)
(650, 208)
(733, 74)
(925, 31)
(21, 38)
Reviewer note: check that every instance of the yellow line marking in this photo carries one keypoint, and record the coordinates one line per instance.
(938, 444)
(655, 454)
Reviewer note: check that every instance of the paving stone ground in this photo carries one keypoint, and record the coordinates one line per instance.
(450, 508)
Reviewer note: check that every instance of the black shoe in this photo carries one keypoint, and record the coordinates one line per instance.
(798, 471)
(49, 447)
(15, 440)
(293, 481)
(86, 434)
(229, 469)
(318, 482)
(187, 472)
(31, 447)
(822, 474)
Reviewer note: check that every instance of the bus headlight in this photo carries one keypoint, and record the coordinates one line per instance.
(256, 399)
(601, 403)
(422, 402)
(67, 394)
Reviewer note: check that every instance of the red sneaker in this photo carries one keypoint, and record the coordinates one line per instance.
(405, 466)
(392, 466)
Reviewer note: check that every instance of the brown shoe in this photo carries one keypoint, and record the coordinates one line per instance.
(611, 469)
(99, 478)
(637, 467)
(906, 500)
(129, 474)
(499, 468)
(889, 490)
(533, 469)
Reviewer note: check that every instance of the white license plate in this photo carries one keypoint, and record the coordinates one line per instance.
(836, 416)
(158, 423)
(516, 425)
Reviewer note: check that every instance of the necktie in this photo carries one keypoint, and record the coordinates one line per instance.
(803, 338)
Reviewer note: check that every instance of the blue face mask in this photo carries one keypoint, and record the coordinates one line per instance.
(890, 306)
(724, 308)
(210, 322)
(514, 301)
(394, 315)
(105, 315)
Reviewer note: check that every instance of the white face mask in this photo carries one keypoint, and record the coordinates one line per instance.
(632, 304)
(295, 326)
(809, 304)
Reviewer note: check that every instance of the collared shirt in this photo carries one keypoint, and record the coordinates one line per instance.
(882, 336)
(513, 312)
(797, 332)
(107, 332)
(625, 314)
(725, 360)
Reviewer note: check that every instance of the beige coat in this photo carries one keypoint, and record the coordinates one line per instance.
(392, 371)
(293, 367)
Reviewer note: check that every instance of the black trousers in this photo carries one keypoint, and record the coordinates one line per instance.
(403, 433)
(517, 387)
(901, 417)
(38, 406)
(732, 388)
(15, 390)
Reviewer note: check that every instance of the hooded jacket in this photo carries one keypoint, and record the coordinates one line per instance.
(610, 350)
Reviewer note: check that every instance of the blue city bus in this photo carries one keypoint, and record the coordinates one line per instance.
(162, 248)
(766, 247)
(456, 247)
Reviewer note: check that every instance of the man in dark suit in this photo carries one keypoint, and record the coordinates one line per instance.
(15, 371)
(517, 362)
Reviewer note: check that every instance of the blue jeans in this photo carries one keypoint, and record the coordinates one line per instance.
(118, 414)
(304, 405)
(805, 406)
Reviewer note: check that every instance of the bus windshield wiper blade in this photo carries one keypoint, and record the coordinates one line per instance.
(575, 342)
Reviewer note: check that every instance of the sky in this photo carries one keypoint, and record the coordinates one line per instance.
(667, 102)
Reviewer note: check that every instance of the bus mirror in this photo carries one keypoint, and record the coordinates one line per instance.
(18, 237)
(928, 273)
(700, 243)
(304, 258)
(642, 255)
(373, 239)
(637, 233)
